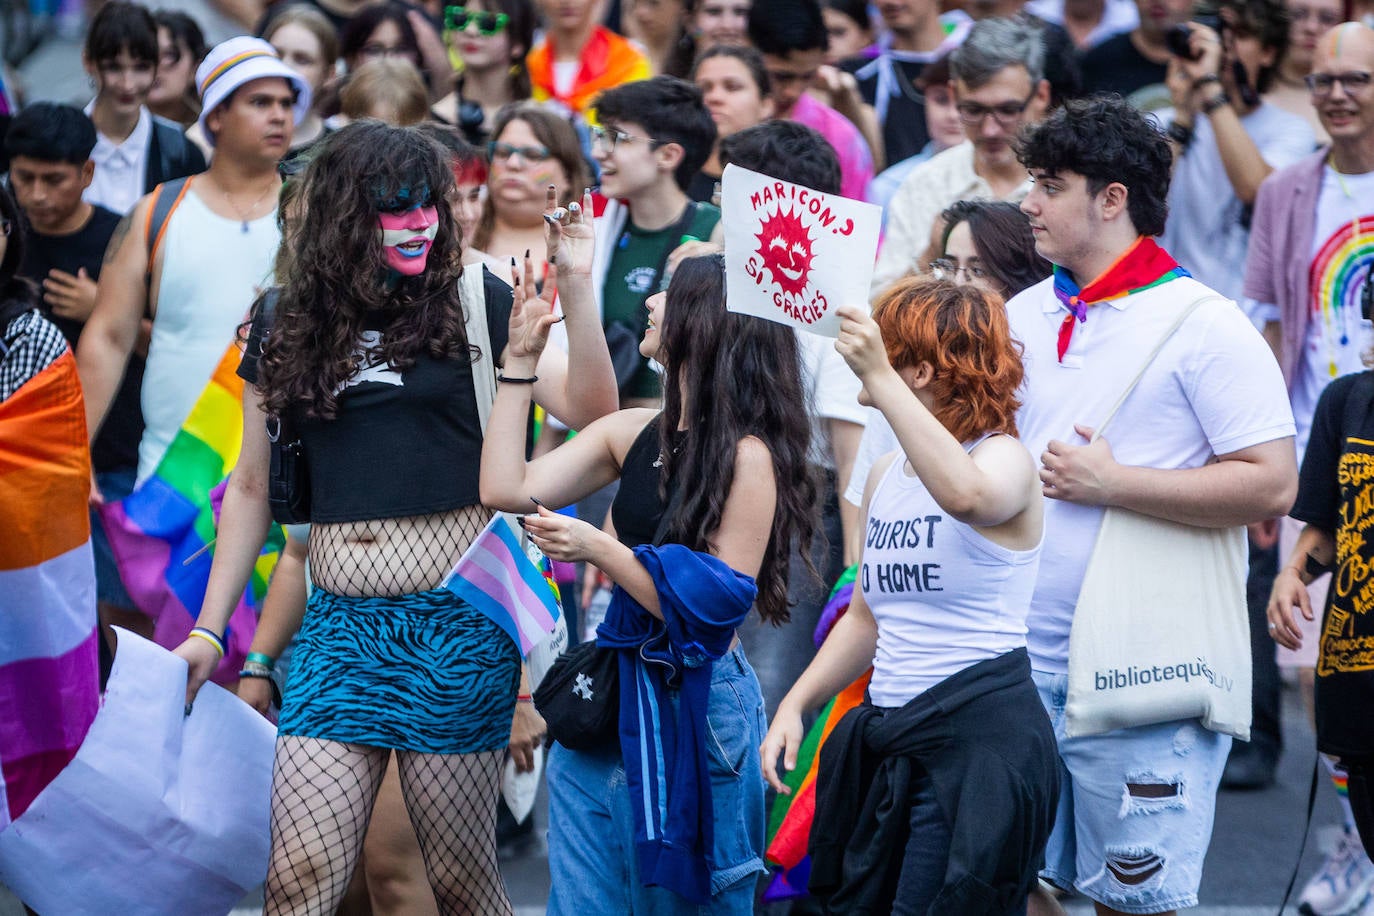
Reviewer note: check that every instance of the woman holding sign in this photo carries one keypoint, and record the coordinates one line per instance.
(951, 549)
(714, 489)
(375, 358)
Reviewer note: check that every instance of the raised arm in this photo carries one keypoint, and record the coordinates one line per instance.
(984, 489)
(578, 386)
(846, 653)
(112, 330)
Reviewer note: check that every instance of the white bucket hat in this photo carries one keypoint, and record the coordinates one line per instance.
(241, 60)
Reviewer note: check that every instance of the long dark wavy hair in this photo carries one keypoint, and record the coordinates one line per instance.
(745, 379)
(336, 276)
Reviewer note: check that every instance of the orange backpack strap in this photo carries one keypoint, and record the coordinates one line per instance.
(166, 198)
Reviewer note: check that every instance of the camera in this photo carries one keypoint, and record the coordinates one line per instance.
(1177, 38)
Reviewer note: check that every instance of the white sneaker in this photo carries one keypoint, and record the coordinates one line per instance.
(1342, 883)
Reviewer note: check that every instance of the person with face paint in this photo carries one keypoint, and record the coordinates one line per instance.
(367, 356)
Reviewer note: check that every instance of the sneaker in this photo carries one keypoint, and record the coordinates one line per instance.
(1342, 883)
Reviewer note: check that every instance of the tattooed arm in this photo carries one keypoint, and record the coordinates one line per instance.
(113, 328)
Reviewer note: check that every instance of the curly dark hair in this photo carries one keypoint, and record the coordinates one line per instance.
(336, 279)
(745, 379)
(1106, 140)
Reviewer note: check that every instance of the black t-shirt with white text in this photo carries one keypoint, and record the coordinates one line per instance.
(1336, 495)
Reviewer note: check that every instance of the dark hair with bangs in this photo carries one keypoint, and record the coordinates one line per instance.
(51, 132)
(780, 27)
(1265, 20)
(184, 31)
(744, 375)
(359, 29)
(336, 276)
(1003, 239)
(121, 26)
(670, 110)
(963, 333)
(1106, 140)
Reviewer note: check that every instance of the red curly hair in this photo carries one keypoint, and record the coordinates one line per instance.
(962, 331)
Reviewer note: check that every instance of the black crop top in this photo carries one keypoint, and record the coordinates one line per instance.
(402, 443)
(637, 508)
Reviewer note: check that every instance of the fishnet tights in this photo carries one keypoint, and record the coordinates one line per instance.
(392, 556)
(451, 799)
(322, 797)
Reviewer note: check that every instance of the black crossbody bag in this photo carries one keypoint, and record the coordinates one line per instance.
(579, 698)
(288, 475)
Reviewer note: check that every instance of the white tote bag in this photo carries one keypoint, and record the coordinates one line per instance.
(1160, 632)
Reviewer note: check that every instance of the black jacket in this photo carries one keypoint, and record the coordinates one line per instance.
(170, 155)
(984, 738)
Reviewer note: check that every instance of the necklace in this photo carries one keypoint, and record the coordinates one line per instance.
(245, 216)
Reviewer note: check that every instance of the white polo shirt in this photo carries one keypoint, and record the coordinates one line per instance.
(1214, 388)
(120, 168)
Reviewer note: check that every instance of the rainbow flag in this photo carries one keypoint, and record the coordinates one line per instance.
(49, 683)
(789, 823)
(495, 576)
(161, 532)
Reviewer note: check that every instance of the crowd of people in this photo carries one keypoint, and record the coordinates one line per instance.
(472, 256)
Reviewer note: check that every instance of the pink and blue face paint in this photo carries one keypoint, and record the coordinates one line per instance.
(407, 237)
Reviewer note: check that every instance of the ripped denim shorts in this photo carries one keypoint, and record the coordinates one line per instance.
(1136, 807)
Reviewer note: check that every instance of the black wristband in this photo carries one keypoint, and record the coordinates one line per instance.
(1215, 102)
(1181, 134)
(1315, 568)
(1205, 79)
(517, 381)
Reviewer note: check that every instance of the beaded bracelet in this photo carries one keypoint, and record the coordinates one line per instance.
(255, 669)
(209, 636)
(265, 660)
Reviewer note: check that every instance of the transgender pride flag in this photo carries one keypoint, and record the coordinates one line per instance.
(496, 577)
(48, 678)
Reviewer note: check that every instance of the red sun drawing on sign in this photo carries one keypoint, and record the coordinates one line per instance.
(785, 248)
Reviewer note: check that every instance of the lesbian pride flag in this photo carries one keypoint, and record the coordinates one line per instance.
(495, 576)
(48, 668)
(160, 532)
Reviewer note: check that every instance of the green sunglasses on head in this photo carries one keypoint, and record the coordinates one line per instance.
(457, 18)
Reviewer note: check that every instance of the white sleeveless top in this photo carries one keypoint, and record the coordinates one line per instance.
(944, 596)
(212, 271)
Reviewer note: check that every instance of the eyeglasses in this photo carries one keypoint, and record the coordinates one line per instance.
(949, 269)
(457, 19)
(1324, 18)
(608, 138)
(1006, 114)
(501, 152)
(374, 51)
(1321, 84)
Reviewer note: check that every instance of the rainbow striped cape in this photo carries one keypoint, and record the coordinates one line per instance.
(49, 683)
(160, 533)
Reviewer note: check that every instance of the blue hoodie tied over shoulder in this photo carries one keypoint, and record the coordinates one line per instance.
(703, 601)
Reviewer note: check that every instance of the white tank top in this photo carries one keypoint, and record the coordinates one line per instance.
(212, 270)
(944, 596)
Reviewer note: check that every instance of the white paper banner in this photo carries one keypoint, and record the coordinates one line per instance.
(159, 812)
(794, 255)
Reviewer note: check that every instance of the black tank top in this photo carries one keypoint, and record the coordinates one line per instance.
(638, 508)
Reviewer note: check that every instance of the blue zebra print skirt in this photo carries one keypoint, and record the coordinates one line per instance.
(425, 672)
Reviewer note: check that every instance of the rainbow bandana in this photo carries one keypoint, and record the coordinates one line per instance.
(1140, 267)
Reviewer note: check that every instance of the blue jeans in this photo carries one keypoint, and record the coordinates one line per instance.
(591, 826)
(1135, 809)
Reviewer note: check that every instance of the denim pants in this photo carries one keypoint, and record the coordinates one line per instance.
(591, 826)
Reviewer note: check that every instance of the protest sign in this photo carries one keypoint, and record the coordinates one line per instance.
(792, 254)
